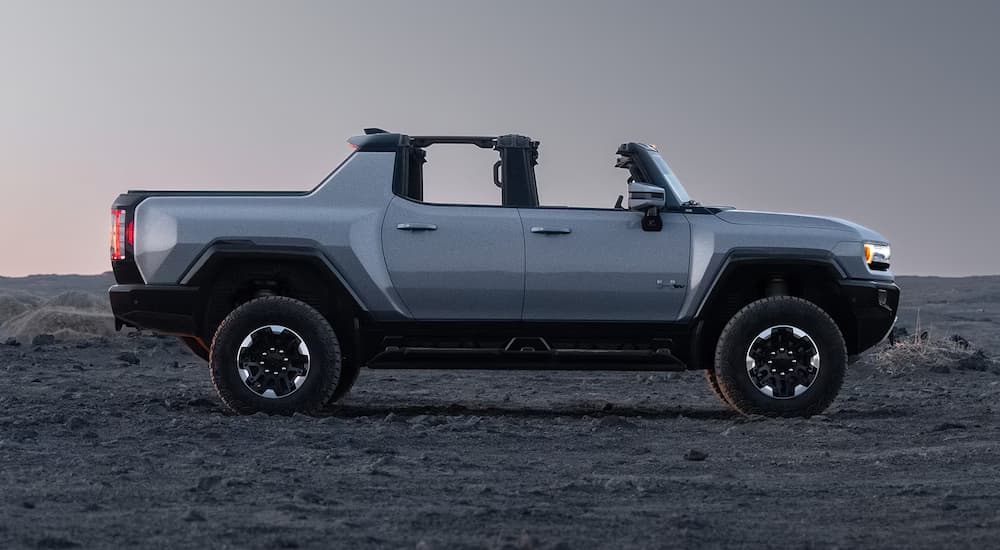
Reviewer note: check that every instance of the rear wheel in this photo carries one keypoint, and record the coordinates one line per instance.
(780, 356)
(275, 355)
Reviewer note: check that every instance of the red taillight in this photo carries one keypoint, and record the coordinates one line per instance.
(118, 234)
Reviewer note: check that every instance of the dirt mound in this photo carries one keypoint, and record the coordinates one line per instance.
(79, 299)
(15, 303)
(64, 323)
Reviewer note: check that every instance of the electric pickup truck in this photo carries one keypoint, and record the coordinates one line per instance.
(287, 295)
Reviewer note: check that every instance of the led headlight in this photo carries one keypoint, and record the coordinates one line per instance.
(877, 255)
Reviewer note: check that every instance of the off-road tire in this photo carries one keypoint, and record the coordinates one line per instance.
(734, 382)
(324, 359)
(349, 371)
(713, 384)
(195, 346)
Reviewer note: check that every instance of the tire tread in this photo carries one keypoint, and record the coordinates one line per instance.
(730, 391)
(329, 343)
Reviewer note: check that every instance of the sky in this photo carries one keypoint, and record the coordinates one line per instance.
(884, 113)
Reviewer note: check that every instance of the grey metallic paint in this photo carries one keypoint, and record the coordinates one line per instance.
(484, 262)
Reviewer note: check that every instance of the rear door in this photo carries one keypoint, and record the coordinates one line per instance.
(455, 261)
(599, 265)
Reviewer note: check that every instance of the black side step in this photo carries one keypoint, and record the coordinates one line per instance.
(546, 359)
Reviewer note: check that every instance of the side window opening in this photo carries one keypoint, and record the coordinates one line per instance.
(453, 174)
(447, 170)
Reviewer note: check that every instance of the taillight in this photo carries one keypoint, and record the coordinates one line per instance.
(119, 234)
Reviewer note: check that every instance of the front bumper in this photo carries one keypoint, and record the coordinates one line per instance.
(872, 307)
(169, 309)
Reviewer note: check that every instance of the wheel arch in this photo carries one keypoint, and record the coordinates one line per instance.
(229, 274)
(748, 276)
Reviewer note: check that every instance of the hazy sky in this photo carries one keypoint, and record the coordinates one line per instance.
(885, 113)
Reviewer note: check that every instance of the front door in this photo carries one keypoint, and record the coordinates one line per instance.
(599, 265)
(455, 261)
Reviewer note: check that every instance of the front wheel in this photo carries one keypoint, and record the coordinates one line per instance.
(275, 355)
(780, 356)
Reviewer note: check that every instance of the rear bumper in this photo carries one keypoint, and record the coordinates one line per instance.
(872, 306)
(169, 309)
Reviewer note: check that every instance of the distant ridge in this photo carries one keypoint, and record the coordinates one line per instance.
(51, 284)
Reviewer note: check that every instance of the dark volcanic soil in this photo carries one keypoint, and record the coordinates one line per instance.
(98, 452)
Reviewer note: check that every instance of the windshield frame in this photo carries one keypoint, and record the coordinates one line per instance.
(673, 184)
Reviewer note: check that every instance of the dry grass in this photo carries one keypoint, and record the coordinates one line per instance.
(935, 354)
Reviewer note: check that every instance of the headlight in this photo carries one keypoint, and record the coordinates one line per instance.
(877, 255)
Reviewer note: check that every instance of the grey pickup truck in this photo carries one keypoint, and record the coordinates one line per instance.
(287, 295)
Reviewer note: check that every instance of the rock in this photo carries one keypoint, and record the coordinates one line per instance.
(11, 342)
(695, 455)
(193, 515)
(56, 542)
(208, 482)
(43, 340)
(978, 361)
(897, 335)
(309, 497)
(76, 424)
(526, 542)
(959, 341)
(944, 426)
(614, 422)
(940, 369)
(92, 343)
(129, 357)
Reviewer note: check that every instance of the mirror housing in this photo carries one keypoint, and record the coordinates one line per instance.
(648, 199)
(643, 197)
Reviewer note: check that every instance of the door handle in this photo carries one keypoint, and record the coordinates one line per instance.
(416, 226)
(551, 230)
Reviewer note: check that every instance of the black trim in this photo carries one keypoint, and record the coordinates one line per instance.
(763, 256)
(218, 254)
(873, 306)
(518, 157)
(491, 337)
(126, 271)
(169, 309)
(635, 157)
(499, 359)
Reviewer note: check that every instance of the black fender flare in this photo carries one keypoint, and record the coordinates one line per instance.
(217, 255)
(739, 257)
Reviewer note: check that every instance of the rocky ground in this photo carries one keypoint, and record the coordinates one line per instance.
(121, 442)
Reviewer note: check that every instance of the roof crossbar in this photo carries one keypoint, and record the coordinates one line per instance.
(483, 142)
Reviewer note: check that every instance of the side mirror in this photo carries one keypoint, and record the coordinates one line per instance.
(648, 199)
(643, 197)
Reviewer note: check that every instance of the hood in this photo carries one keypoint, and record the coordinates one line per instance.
(748, 217)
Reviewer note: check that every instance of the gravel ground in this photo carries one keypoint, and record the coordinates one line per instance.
(123, 443)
